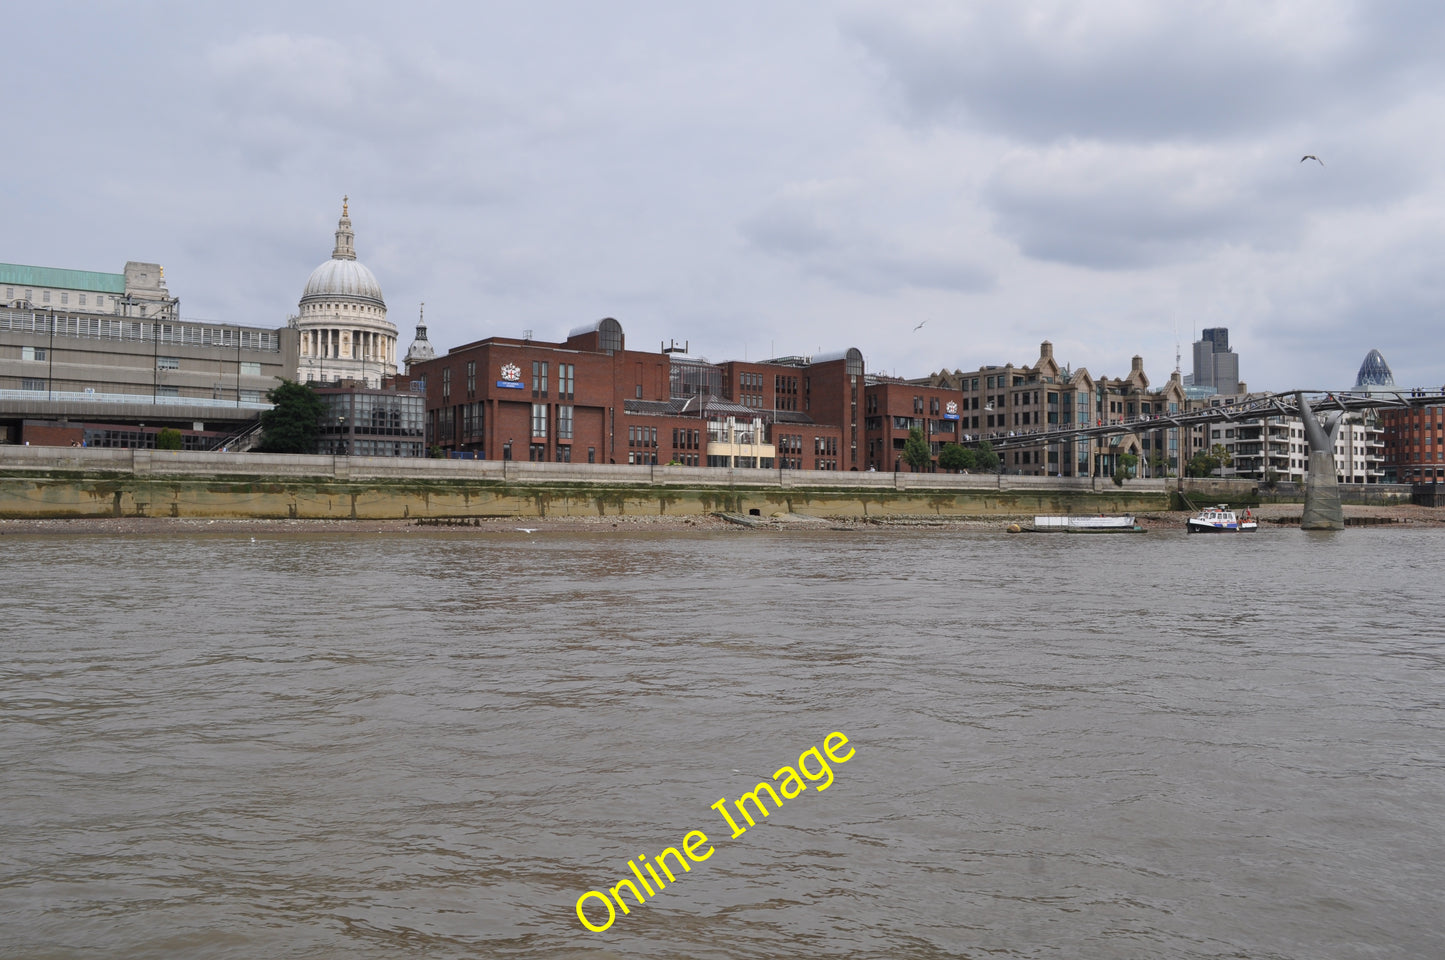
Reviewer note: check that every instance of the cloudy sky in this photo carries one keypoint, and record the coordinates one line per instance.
(766, 178)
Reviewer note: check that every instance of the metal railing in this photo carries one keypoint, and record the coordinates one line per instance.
(98, 327)
(135, 398)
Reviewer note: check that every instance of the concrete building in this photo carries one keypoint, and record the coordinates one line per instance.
(1014, 401)
(1215, 365)
(137, 293)
(1275, 448)
(110, 351)
(341, 324)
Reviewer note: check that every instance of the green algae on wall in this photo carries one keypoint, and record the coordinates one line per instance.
(69, 495)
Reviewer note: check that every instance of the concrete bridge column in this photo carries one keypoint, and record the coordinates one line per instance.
(1323, 510)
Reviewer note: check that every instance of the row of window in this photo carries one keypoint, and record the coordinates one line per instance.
(105, 328)
(64, 297)
(161, 390)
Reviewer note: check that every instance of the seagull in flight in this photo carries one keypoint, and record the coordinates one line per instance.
(919, 327)
(1310, 156)
(527, 529)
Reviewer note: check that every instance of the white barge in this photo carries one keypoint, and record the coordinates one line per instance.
(1094, 524)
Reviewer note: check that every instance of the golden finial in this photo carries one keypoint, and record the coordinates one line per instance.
(343, 205)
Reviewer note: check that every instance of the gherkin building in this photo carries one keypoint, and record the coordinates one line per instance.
(1374, 373)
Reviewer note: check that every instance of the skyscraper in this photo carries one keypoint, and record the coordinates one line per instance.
(1215, 365)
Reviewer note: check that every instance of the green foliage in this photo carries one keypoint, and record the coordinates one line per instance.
(1205, 462)
(1127, 462)
(916, 452)
(436, 452)
(954, 458)
(168, 439)
(1159, 465)
(294, 420)
(984, 459)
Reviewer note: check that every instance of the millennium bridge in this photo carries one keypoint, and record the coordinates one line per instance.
(1321, 412)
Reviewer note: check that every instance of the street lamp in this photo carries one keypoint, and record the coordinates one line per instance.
(50, 359)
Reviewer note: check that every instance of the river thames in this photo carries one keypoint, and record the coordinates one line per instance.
(433, 743)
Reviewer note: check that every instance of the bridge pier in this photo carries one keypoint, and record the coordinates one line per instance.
(1323, 509)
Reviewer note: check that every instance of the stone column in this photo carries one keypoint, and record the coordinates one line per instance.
(1323, 510)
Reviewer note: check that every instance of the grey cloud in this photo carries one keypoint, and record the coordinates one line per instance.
(809, 230)
(1109, 206)
(1147, 72)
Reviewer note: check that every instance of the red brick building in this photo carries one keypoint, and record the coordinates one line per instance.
(588, 399)
(1414, 444)
(894, 407)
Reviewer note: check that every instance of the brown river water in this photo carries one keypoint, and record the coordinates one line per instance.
(431, 745)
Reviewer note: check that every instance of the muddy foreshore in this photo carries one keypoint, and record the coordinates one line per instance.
(1269, 515)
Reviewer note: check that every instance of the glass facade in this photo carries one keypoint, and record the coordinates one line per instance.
(372, 423)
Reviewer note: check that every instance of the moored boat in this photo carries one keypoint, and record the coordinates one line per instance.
(1221, 519)
(1080, 524)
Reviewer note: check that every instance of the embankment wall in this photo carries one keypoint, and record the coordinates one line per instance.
(87, 482)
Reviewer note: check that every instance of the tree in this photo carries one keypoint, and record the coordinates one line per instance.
(1159, 465)
(954, 458)
(1125, 469)
(984, 459)
(1204, 463)
(916, 452)
(292, 423)
(168, 439)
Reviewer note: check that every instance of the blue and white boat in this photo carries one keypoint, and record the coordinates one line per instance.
(1221, 519)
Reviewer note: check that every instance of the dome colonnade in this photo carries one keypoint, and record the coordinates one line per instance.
(342, 321)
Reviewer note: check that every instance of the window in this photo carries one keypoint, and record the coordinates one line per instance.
(539, 419)
(32, 383)
(566, 380)
(165, 391)
(250, 396)
(82, 299)
(539, 379)
(564, 420)
(45, 296)
(564, 453)
(537, 453)
(32, 353)
(64, 298)
(249, 369)
(168, 363)
(446, 384)
(471, 377)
